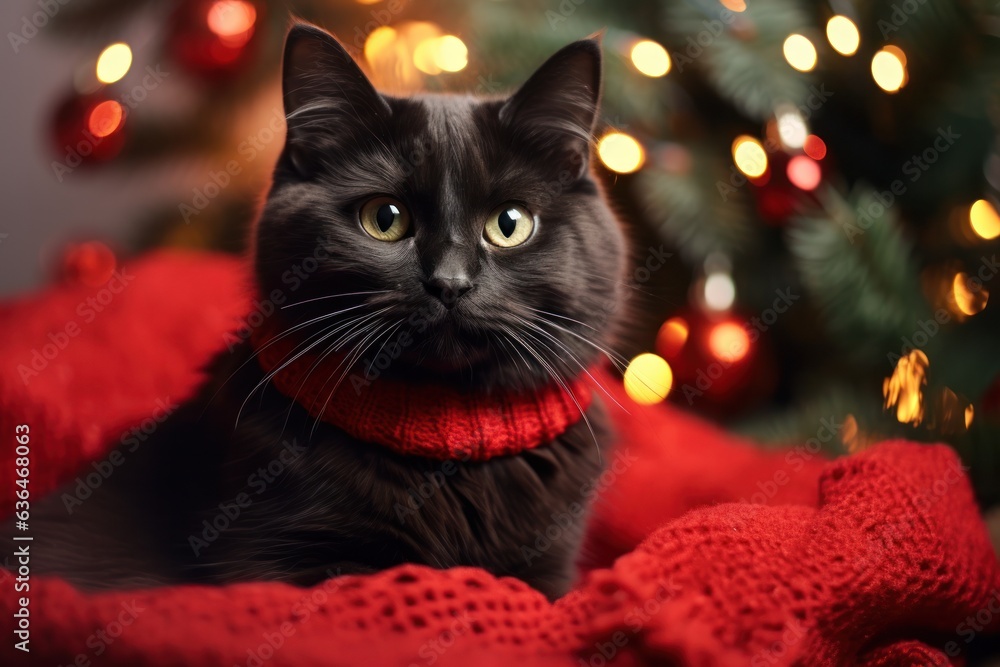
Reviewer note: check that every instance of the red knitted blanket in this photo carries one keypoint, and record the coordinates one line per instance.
(703, 550)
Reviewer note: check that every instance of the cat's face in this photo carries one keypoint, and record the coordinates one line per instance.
(463, 237)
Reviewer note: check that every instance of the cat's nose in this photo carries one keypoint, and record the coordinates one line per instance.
(448, 289)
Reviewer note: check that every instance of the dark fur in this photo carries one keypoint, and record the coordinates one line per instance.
(336, 505)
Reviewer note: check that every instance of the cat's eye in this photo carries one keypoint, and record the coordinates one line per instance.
(509, 226)
(385, 219)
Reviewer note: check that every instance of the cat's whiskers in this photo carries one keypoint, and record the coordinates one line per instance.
(562, 317)
(356, 353)
(562, 346)
(274, 339)
(382, 346)
(334, 296)
(558, 379)
(296, 355)
(619, 361)
(332, 347)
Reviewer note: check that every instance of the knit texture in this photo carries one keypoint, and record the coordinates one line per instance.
(702, 550)
(425, 420)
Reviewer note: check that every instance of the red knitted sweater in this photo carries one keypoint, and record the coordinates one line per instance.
(702, 550)
(426, 420)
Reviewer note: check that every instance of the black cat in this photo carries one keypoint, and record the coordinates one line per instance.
(471, 226)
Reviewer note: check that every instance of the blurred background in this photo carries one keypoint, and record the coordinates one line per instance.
(812, 187)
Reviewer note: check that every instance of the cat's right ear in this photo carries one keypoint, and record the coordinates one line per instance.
(559, 104)
(324, 90)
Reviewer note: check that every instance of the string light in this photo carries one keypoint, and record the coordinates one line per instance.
(843, 35)
(672, 336)
(105, 118)
(425, 56)
(648, 379)
(984, 220)
(620, 153)
(451, 54)
(792, 128)
(720, 291)
(800, 52)
(447, 53)
(729, 342)
(804, 172)
(650, 58)
(814, 147)
(889, 69)
(903, 389)
(114, 62)
(969, 301)
(749, 156)
(378, 41)
(232, 21)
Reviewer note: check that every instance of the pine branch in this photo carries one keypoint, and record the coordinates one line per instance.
(689, 212)
(740, 54)
(859, 266)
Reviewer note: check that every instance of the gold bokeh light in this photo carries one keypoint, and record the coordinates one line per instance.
(889, 69)
(114, 62)
(984, 220)
(729, 342)
(620, 153)
(800, 52)
(904, 388)
(650, 58)
(648, 379)
(843, 35)
(749, 156)
(969, 299)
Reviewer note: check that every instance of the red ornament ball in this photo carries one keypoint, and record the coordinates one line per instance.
(717, 359)
(91, 264)
(87, 129)
(214, 38)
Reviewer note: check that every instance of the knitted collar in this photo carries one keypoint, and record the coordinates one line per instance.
(432, 421)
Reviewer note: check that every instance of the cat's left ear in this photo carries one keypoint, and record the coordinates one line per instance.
(559, 103)
(321, 80)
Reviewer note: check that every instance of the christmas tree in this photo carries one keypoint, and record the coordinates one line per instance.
(812, 188)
